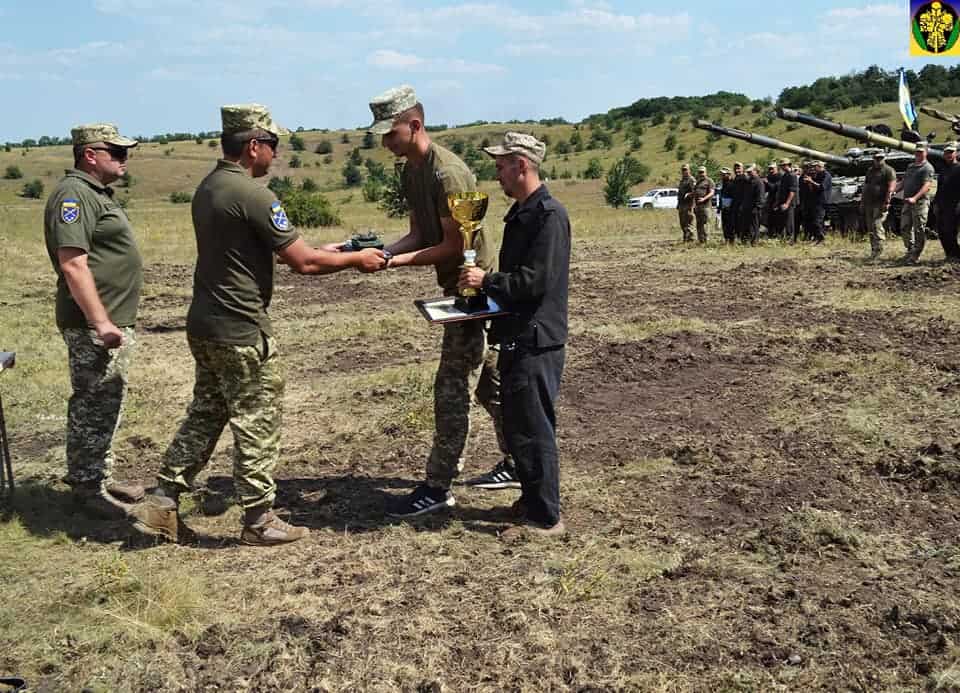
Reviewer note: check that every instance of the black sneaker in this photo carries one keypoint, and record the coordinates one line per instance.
(422, 500)
(504, 475)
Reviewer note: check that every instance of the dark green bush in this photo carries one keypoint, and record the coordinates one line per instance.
(310, 209)
(33, 190)
(179, 198)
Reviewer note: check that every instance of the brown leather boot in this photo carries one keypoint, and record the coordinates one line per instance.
(156, 516)
(127, 492)
(94, 499)
(533, 530)
(264, 528)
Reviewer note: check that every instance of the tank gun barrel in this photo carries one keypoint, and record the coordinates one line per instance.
(940, 115)
(853, 132)
(771, 143)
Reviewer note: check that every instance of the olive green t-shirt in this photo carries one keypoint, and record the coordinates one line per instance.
(239, 225)
(876, 182)
(81, 213)
(426, 187)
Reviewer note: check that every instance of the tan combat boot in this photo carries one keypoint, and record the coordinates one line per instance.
(264, 528)
(126, 492)
(96, 501)
(156, 516)
(533, 530)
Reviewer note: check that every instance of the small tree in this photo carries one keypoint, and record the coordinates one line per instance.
(212, 143)
(13, 173)
(732, 147)
(356, 158)
(297, 144)
(126, 180)
(324, 147)
(345, 138)
(281, 187)
(309, 185)
(622, 176)
(392, 200)
(352, 175)
(593, 170)
(33, 190)
(670, 142)
(372, 190)
(309, 210)
(296, 161)
(179, 198)
(369, 141)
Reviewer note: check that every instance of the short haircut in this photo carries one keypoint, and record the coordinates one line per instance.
(234, 142)
(78, 154)
(415, 111)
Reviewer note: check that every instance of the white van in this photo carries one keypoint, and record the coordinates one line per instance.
(657, 198)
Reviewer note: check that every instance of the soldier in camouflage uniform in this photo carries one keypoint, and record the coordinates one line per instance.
(685, 200)
(878, 186)
(915, 184)
(429, 175)
(703, 201)
(239, 226)
(99, 274)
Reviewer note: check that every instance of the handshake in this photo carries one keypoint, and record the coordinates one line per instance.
(371, 255)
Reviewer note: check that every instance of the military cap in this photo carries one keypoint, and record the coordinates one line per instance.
(769, 166)
(737, 163)
(817, 162)
(519, 143)
(725, 170)
(921, 146)
(751, 167)
(388, 105)
(702, 169)
(785, 161)
(879, 154)
(685, 167)
(243, 117)
(950, 147)
(100, 132)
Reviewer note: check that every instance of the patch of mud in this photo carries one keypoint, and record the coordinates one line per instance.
(945, 278)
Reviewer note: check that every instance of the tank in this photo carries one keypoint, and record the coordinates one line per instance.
(934, 152)
(843, 205)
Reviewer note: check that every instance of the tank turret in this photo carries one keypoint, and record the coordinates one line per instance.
(840, 163)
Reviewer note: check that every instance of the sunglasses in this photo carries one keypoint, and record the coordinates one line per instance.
(271, 142)
(116, 153)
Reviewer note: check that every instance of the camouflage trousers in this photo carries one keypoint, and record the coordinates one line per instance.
(242, 386)
(98, 377)
(704, 215)
(464, 360)
(874, 217)
(685, 214)
(913, 226)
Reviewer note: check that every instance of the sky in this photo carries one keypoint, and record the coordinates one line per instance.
(155, 66)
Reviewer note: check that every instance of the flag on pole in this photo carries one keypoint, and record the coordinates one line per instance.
(907, 110)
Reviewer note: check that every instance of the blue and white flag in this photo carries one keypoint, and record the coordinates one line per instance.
(907, 110)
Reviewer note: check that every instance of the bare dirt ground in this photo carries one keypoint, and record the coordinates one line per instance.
(760, 463)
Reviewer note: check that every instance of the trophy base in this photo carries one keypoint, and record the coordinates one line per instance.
(471, 304)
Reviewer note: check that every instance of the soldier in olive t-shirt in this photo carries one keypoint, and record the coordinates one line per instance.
(429, 175)
(99, 275)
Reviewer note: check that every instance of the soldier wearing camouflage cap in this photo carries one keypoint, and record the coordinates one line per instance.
(239, 227)
(915, 184)
(703, 192)
(430, 173)
(91, 246)
(685, 203)
(945, 202)
(532, 284)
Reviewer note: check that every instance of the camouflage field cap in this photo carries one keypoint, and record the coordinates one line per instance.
(684, 168)
(737, 163)
(785, 162)
(950, 147)
(702, 169)
(751, 167)
(100, 132)
(879, 154)
(388, 105)
(520, 143)
(725, 170)
(243, 117)
(921, 146)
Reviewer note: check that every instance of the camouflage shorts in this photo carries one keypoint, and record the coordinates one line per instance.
(242, 386)
(98, 377)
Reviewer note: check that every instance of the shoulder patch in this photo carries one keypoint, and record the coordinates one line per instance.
(69, 210)
(279, 216)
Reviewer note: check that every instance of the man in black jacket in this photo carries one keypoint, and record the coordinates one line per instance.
(532, 284)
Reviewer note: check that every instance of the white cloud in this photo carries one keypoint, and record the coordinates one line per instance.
(867, 12)
(392, 60)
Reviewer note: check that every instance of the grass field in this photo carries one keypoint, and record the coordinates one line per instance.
(760, 472)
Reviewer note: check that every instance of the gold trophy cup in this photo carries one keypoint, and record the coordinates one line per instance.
(469, 208)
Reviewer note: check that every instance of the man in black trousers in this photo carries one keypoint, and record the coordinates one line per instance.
(532, 284)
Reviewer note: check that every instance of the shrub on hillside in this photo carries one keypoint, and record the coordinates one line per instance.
(13, 173)
(345, 138)
(351, 174)
(309, 210)
(593, 170)
(670, 142)
(281, 187)
(296, 161)
(297, 144)
(33, 190)
(622, 176)
(392, 200)
(309, 185)
(369, 141)
(179, 198)
(323, 147)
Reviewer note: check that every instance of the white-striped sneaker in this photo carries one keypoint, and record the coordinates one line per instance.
(422, 500)
(504, 475)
